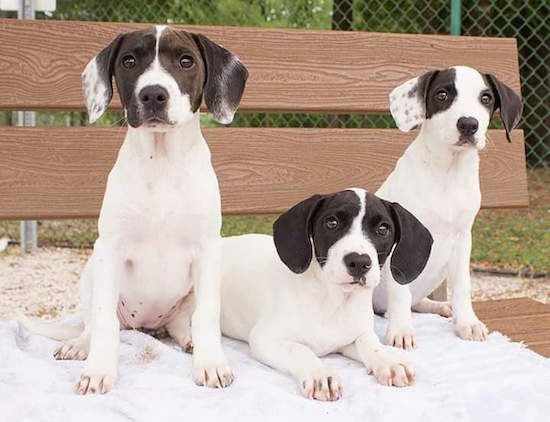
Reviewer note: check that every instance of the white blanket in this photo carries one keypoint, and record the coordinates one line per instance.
(456, 381)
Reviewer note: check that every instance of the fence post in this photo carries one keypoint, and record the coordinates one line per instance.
(28, 229)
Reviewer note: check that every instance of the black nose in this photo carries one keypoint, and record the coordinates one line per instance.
(154, 96)
(357, 264)
(467, 126)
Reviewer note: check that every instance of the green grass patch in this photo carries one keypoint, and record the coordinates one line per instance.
(517, 238)
(504, 238)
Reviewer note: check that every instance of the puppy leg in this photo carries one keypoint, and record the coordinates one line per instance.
(179, 327)
(210, 367)
(315, 380)
(380, 361)
(400, 331)
(429, 306)
(99, 373)
(466, 324)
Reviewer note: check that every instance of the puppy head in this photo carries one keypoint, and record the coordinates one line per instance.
(161, 76)
(350, 234)
(454, 105)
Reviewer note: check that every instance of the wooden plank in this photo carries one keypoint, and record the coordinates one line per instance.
(510, 308)
(58, 172)
(520, 319)
(290, 70)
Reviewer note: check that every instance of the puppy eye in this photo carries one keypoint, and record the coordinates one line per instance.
(186, 61)
(383, 230)
(441, 96)
(486, 98)
(331, 223)
(128, 61)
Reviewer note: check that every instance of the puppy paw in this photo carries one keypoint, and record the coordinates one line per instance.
(473, 331)
(429, 306)
(187, 345)
(74, 349)
(322, 384)
(214, 373)
(95, 380)
(444, 309)
(401, 336)
(394, 373)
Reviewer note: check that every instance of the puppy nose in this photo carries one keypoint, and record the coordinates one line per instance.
(467, 126)
(357, 264)
(154, 96)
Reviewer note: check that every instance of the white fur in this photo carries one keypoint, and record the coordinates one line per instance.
(290, 319)
(157, 258)
(439, 183)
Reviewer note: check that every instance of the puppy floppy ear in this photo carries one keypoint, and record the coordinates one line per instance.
(292, 234)
(507, 101)
(408, 101)
(97, 80)
(413, 244)
(225, 79)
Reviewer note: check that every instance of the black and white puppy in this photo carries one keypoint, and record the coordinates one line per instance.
(157, 258)
(437, 179)
(307, 291)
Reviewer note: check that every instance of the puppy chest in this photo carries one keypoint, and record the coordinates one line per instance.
(330, 332)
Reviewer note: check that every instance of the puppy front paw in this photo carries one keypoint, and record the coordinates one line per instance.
(474, 330)
(392, 372)
(401, 336)
(214, 373)
(322, 384)
(94, 380)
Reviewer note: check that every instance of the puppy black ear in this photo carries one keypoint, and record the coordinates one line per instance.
(225, 79)
(97, 80)
(413, 244)
(408, 101)
(292, 234)
(507, 101)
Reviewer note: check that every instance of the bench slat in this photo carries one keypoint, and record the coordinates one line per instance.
(521, 319)
(290, 70)
(59, 172)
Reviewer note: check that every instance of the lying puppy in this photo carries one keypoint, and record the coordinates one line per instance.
(307, 291)
(159, 241)
(437, 179)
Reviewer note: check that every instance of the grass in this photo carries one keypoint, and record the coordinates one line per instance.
(517, 239)
(506, 238)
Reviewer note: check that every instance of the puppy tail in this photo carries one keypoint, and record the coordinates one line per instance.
(51, 329)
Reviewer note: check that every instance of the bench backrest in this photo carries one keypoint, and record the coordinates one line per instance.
(60, 172)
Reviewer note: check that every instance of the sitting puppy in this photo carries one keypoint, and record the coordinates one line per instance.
(437, 179)
(307, 291)
(159, 241)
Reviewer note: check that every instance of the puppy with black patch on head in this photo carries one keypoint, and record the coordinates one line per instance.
(307, 291)
(437, 179)
(157, 259)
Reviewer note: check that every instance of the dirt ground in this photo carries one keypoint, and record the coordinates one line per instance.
(45, 284)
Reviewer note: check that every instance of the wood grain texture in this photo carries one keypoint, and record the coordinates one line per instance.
(61, 172)
(520, 319)
(290, 70)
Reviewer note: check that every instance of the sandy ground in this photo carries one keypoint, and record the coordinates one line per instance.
(45, 284)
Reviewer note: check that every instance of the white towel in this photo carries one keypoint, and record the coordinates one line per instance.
(456, 381)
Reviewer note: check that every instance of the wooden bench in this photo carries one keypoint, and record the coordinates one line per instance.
(60, 172)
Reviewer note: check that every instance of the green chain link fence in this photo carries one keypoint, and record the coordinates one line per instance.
(527, 21)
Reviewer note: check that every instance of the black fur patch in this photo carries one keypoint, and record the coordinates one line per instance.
(431, 83)
(344, 206)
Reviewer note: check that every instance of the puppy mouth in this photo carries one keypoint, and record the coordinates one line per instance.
(156, 122)
(357, 281)
(466, 141)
